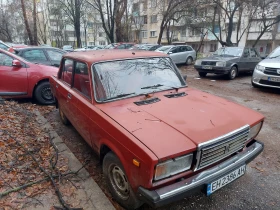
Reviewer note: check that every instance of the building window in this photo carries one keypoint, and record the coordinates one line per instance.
(144, 34)
(153, 18)
(153, 3)
(145, 19)
(152, 33)
(145, 5)
(102, 43)
(213, 47)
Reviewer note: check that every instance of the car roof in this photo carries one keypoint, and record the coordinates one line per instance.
(108, 55)
(43, 47)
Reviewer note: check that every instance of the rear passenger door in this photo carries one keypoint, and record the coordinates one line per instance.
(80, 100)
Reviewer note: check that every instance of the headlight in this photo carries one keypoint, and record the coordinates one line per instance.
(172, 167)
(254, 131)
(260, 68)
(198, 62)
(221, 64)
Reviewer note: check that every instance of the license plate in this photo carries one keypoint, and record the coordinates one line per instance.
(273, 79)
(207, 67)
(223, 181)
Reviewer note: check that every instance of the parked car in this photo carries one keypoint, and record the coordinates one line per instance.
(22, 79)
(120, 45)
(267, 72)
(153, 47)
(179, 53)
(158, 140)
(6, 47)
(68, 48)
(229, 61)
(88, 48)
(44, 55)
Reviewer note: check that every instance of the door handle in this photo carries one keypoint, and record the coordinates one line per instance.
(69, 96)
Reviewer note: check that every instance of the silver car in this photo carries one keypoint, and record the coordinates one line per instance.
(179, 53)
(267, 72)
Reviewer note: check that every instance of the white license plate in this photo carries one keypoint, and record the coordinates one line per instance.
(207, 67)
(273, 79)
(212, 187)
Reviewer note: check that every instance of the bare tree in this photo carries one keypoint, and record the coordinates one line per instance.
(26, 22)
(35, 37)
(74, 11)
(265, 18)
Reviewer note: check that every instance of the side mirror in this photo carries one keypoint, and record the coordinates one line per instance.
(185, 77)
(16, 63)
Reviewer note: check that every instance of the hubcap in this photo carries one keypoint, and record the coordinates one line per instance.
(233, 73)
(119, 181)
(189, 61)
(47, 94)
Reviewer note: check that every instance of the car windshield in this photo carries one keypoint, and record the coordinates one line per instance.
(163, 49)
(275, 53)
(117, 79)
(229, 51)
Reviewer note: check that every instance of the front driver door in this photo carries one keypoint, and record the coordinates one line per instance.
(13, 79)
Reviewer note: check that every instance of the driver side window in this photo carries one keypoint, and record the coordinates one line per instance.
(246, 53)
(5, 60)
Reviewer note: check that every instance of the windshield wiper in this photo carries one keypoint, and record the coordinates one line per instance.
(152, 86)
(119, 96)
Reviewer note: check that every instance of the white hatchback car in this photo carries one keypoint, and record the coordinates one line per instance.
(179, 53)
(267, 72)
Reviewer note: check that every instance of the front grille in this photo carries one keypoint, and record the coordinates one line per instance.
(221, 147)
(208, 63)
(271, 71)
(266, 82)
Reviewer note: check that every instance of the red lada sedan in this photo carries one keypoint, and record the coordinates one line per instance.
(158, 140)
(22, 79)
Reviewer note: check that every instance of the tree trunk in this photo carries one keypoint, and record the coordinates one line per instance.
(160, 33)
(230, 27)
(29, 34)
(35, 35)
(259, 37)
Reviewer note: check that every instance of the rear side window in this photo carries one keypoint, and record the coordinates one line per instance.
(67, 71)
(189, 48)
(81, 79)
(34, 55)
(54, 55)
(253, 53)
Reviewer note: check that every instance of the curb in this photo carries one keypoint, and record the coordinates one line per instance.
(89, 194)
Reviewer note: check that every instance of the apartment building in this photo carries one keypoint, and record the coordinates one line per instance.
(147, 16)
(55, 25)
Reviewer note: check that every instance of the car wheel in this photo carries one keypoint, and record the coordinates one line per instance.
(202, 74)
(233, 72)
(43, 93)
(63, 118)
(189, 61)
(118, 183)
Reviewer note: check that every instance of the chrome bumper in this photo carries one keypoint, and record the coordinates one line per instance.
(199, 181)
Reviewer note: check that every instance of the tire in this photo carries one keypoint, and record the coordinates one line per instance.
(202, 74)
(118, 183)
(232, 73)
(189, 60)
(63, 118)
(43, 93)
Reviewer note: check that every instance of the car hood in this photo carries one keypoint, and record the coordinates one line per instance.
(49, 70)
(177, 125)
(271, 63)
(218, 58)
